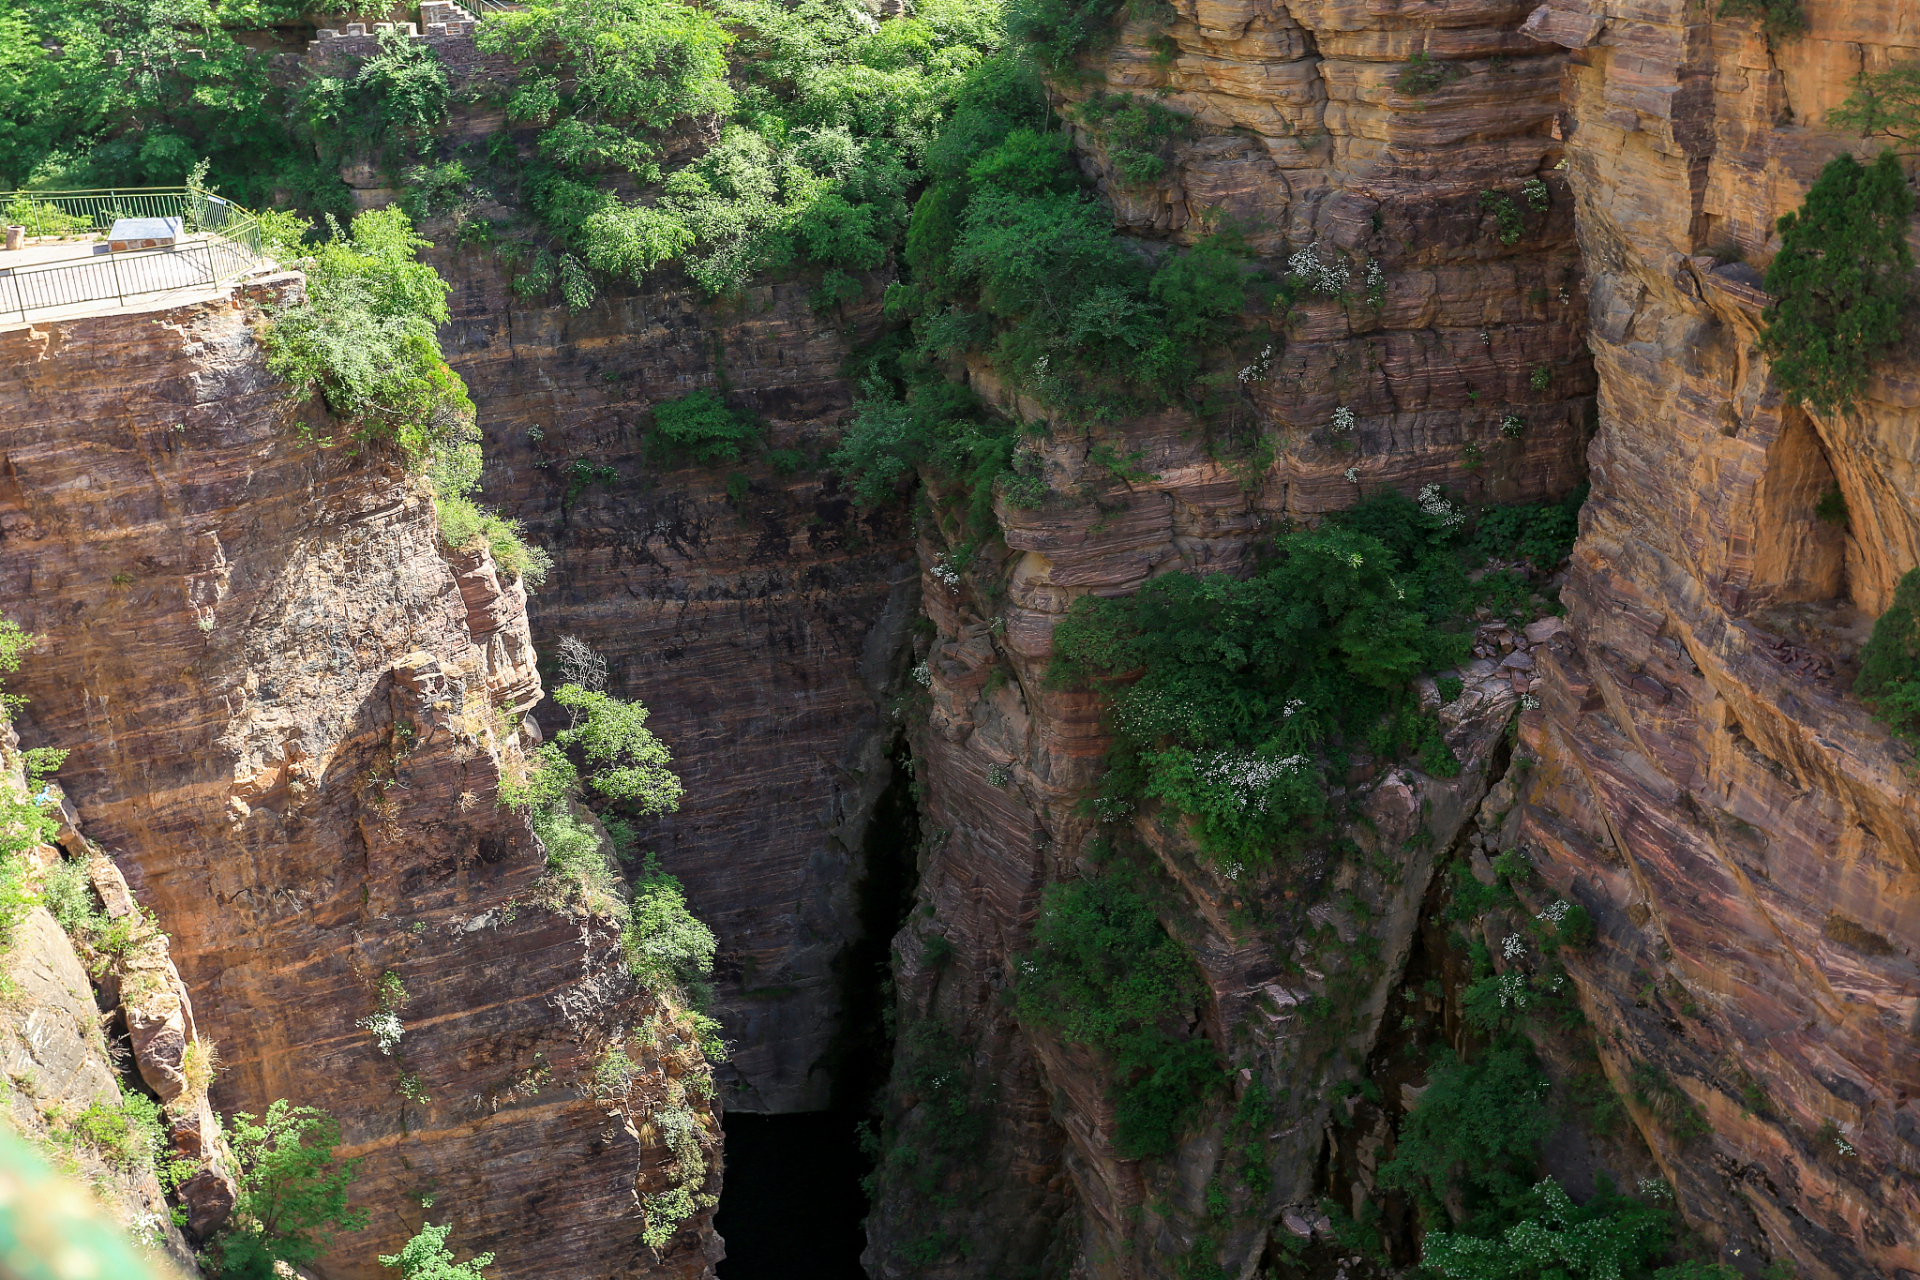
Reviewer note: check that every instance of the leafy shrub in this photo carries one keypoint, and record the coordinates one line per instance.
(829, 118)
(67, 892)
(1832, 507)
(666, 946)
(466, 526)
(391, 100)
(73, 116)
(1058, 31)
(635, 68)
(1506, 214)
(127, 1134)
(426, 1257)
(941, 428)
(1542, 534)
(366, 339)
(1423, 75)
(1889, 679)
(1475, 1131)
(1227, 694)
(699, 426)
(1840, 282)
(1137, 131)
(1780, 19)
(627, 764)
(293, 1192)
(26, 821)
(1104, 973)
(1610, 1238)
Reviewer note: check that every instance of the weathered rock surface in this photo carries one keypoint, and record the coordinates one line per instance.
(1435, 345)
(1741, 827)
(288, 717)
(763, 632)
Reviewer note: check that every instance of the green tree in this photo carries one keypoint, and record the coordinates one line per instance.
(1840, 283)
(426, 1257)
(630, 68)
(1884, 103)
(130, 93)
(625, 761)
(367, 339)
(1889, 679)
(293, 1192)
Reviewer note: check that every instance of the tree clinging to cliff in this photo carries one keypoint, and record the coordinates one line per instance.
(1840, 283)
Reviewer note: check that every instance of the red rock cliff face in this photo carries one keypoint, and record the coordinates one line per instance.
(1741, 826)
(1300, 136)
(763, 629)
(288, 719)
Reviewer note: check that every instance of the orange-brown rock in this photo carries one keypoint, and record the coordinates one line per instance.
(1445, 332)
(287, 714)
(1740, 825)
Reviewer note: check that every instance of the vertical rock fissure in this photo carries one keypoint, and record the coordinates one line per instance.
(777, 1225)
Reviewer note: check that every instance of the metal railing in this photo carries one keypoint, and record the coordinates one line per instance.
(227, 246)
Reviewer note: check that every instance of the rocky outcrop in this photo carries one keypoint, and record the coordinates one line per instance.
(1447, 330)
(288, 716)
(1740, 825)
(757, 614)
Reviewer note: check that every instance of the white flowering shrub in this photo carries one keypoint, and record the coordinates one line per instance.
(384, 1021)
(1261, 366)
(1316, 276)
(922, 676)
(944, 574)
(1434, 502)
(1513, 426)
(1343, 421)
(1557, 1238)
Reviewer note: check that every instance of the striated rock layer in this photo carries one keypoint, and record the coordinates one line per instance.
(288, 717)
(758, 616)
(1741, 827)
(1446, 332)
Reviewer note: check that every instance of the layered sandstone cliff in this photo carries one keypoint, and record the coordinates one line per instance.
(758, 615)
(289, 713)
(754, 611)
(1742, 827)
(1298, 136)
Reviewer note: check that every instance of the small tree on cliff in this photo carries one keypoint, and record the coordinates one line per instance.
(293, 1193)
(1840, 283)
(426, 1257)
(1889, 679)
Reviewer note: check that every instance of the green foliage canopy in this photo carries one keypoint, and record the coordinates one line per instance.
(1103, 972)
(1840, 283)
(1474, 1132)
(293, 1192)
(1227, 693)
(1884, 103)
(127, 93)
(625, 761)
(426, 1257)
(1889, 679)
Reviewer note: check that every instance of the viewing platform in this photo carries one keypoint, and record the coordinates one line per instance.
(81, 253)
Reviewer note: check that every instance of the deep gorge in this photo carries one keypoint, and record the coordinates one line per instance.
(1086, 496)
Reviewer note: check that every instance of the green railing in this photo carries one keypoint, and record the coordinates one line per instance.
(86, 213)
(223, 243)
